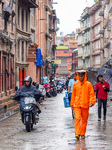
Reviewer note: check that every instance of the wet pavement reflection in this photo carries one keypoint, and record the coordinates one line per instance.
(55, 130)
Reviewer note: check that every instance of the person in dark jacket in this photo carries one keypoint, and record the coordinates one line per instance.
(28, 90)
(67, 82)
(102, 87)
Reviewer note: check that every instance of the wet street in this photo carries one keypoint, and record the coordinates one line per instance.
(55, 130)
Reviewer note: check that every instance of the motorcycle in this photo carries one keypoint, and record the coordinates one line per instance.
(53, 90)
(48, 89)
(59, 88)
(27, 110)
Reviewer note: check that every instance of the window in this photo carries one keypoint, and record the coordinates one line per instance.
(26, 51)
(22, 51)
(18, 14)
(33, 36)
(18, 49)
(63, 60)
(12, 23)
(33, 11)
(26, 21)
(5, 23)
(22, 19)
(62, 68)
(97, 59)
(2, 10)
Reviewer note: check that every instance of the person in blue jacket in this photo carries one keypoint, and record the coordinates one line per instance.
(70, 85)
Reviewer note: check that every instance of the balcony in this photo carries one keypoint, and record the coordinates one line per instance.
(29, 3)
(95, 8)
(85, 14)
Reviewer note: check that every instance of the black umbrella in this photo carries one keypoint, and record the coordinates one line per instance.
(107, 75)
(91, 77)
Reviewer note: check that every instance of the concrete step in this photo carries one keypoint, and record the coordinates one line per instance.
(8, 106)
(10, 111)
(5, 99)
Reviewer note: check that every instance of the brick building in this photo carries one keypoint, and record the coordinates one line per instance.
(96, 38)
(107, 29)
(7, 47)
(71, 41)
(90, 38)
(23, 32)
(63, 54)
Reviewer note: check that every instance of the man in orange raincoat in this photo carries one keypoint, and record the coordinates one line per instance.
(83, 97)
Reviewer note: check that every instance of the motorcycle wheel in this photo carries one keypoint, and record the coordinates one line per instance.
(28, 127)
(48, 94)
(55, 93)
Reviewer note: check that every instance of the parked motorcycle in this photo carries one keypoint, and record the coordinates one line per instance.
(48, 89)
(59, 88)
(41, 89)
(53, 89)
(27, 110)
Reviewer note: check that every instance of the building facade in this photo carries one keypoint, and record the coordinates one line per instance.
(63, 54)
(23, 36)
(91, 34)
(7, 47)
(96, 38)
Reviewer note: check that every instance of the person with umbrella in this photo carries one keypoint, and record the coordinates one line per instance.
(102, 87)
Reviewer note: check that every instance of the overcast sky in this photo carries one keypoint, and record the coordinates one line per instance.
(69, 11)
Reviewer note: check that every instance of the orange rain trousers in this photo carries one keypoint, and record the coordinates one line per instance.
(81, 117)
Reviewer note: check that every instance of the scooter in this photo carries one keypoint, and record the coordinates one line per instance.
(48, 89)
(53, 90)
(59, 88)
(27, 110)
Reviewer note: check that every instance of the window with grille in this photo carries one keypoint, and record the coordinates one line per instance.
(18, 14)
(63, 60)
(22, 19)
(12, 23)
(22, 51)
(26, 21)
(18, 50)
(62, 68)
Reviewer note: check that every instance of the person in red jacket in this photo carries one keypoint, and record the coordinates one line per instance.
(102, 87)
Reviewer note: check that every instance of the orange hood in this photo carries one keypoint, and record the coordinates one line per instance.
(85, 78)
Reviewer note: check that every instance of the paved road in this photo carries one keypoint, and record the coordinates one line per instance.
(55, 130)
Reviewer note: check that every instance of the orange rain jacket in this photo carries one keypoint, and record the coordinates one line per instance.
(82, 93)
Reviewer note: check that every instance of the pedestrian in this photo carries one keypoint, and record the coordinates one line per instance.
(51, 80)
(82, 98)
(70, 85)
(44, 79)
(67, 82)
(102, 87)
